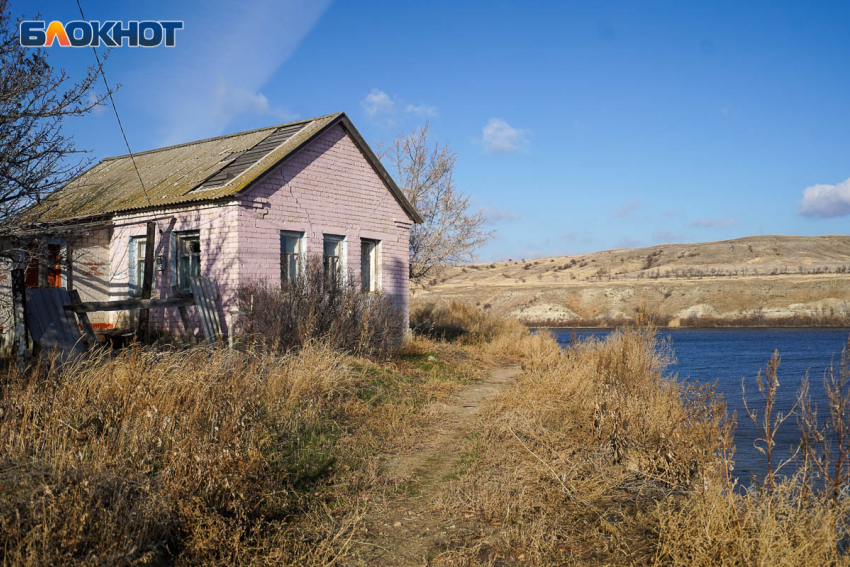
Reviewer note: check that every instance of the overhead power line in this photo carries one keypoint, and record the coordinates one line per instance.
(115, 109)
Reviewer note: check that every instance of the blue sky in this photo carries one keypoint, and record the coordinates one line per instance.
(579, 126)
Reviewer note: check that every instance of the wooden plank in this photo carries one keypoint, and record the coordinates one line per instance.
(69, 263)
(147, 281)
(188, 332)
(126, 304)
(42, 255)
(201, 303)
(50, 324)
(206, 299)
(212, 295)
(19, 299)
(91, 339)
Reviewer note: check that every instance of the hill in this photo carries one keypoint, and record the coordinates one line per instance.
(757, 280)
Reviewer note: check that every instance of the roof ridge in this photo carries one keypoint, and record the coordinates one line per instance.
(221, 137)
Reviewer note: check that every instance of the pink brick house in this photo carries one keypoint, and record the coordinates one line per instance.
(237, 208)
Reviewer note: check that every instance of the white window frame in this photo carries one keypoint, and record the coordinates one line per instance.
(374, 268)
(133, 279)
(342, 264)
(175, 255)
(300, 248)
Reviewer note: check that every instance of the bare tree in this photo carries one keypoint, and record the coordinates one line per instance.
(35, 156)
(450, 232)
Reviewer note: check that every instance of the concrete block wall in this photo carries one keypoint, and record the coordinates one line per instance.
(327, 188)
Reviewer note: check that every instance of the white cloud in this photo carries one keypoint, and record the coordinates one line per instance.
(826, 201)
(716, 223)
(378, 105)
(628, 242)
(202, 87)
(499, 137)
(666, 236)
(97, 109)
(495, 214)
(627, 208)
(231, 101)
(423, 110)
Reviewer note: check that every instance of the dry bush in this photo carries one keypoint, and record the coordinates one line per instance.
(595, 456)
(201, 455)
(332, 309)
(787, 528)
(206, 456)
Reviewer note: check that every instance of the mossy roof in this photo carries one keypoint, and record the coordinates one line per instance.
(204, 170)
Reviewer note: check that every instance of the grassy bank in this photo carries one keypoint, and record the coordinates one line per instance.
(595, 456)
(208, 457)
(592, 456)
(751, 321)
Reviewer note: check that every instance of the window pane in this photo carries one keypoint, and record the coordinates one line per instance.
(188, 259)
(367, 265)
(331, 247)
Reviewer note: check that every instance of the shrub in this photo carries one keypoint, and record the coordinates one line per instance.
(155, 458)
(315, 307)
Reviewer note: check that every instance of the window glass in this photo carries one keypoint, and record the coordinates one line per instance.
(188, 259)
(290, 256)
(369, 265)
(332, 256)
(139, 257)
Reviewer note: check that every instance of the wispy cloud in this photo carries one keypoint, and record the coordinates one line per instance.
(204, 86)
(499, 137)
(232, 101)
(628, 242)
(496, 215)
(379, 106)
(716, 223)
(98, 109)
(627, 208)
(826, 201)
(422, 110)
(666, 236)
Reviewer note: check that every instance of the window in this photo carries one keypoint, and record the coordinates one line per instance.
(47, 258)
(137, 265)
(291, 250)
(188, 258)
(332, 258)
(369, 265)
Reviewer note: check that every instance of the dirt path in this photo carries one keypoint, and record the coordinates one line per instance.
(407, 529)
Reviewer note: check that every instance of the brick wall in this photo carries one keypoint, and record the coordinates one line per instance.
(216, 225)
(327, 188)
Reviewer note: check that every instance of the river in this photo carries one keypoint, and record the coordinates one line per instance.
(727, 355)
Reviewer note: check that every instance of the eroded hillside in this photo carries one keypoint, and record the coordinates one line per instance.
(754, 280)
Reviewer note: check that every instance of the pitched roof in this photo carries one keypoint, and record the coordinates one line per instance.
(204, 170)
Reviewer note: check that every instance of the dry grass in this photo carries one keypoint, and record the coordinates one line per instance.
(206, 457)
(595, 456)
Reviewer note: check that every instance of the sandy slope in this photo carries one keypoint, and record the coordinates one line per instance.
(761, 277)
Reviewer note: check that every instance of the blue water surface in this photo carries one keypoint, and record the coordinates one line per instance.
(727, 355)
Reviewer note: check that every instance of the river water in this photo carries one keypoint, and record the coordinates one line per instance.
(727, 355)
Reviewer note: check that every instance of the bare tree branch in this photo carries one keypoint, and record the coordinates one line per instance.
(450, 232)
(36, 158)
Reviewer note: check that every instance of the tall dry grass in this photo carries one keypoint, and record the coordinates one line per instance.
(202, 455)
(595, 455)
(205, 456)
